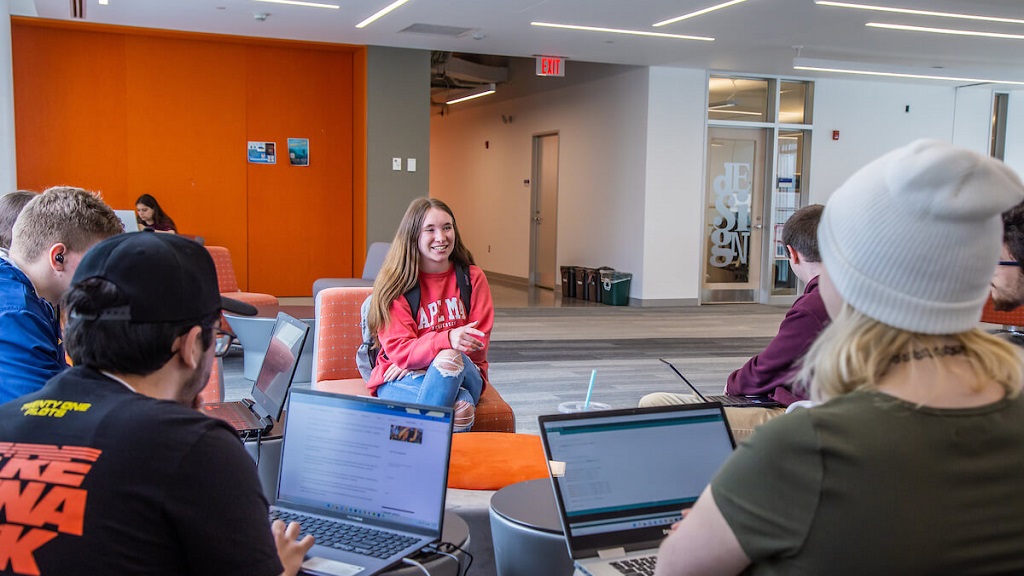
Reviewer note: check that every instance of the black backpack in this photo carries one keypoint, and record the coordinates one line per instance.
(366, 356)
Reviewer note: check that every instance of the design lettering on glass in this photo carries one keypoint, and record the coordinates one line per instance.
(730, 240)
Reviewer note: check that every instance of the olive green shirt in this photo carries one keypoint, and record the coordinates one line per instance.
(870, 484)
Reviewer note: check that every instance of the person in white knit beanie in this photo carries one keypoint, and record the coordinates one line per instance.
(912, 463)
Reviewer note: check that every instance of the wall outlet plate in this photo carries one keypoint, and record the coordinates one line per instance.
(396, 163)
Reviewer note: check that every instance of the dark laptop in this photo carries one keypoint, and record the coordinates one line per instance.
(759, 401)
(367, 477)
(257, 416)
(622, 477)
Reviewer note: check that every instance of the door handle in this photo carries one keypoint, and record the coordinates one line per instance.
(537, 219)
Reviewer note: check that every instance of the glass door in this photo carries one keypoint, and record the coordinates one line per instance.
(733, 214)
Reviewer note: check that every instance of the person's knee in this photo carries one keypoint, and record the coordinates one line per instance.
(666, 399)
(449, 363)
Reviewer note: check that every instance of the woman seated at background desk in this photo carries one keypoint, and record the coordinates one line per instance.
(913, 463)
(151, 216)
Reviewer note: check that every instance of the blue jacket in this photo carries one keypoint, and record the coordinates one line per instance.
(31, 351)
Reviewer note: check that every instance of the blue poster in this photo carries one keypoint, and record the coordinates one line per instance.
(298, 151)
(262, 153)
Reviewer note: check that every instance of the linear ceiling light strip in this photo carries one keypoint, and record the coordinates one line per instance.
(620, 31)
(697, 13)
(381, 13)
(487, 92)
(905, 75)
(917, 12)
(301, 3)
(950, 31)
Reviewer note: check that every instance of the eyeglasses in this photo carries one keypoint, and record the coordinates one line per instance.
(222, 342)
(1009, 263)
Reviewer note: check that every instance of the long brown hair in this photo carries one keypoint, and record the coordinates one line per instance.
(401, 268)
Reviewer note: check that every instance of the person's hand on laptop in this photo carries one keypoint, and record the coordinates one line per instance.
(290, 549)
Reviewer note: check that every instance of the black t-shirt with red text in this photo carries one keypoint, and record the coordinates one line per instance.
(97, 479)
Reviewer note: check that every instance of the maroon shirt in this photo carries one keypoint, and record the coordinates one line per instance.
(771, 371)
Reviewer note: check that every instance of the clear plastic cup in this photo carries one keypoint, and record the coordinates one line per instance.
(577, 406)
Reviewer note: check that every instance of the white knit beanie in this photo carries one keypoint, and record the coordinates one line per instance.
(912, 239)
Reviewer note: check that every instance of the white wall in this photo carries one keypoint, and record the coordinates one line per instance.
(871, 120)
(632, 162)
(676, 125)
(478, 165)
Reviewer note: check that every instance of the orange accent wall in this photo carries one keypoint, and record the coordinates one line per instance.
(129, 111)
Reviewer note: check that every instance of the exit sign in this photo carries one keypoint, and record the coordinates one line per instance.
(550, 66)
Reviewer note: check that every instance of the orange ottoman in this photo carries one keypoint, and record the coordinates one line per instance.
(493, 460)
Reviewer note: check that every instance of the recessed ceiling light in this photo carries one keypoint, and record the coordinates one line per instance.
(621, 31)
(698, 13)
(104, 2)
(380, 13)
(301, 3)
(906, 28)
(918, 12)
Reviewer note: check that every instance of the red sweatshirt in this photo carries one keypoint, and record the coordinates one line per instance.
(413, 343)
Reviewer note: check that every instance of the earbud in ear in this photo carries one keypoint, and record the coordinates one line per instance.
(59, 258)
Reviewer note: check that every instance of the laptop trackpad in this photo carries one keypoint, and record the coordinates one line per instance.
(330, 567)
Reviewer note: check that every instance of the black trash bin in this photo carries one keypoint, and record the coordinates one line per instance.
(581, 282)
(568, 281)
(594, 291)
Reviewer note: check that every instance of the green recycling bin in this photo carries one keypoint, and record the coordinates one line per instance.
(615, 287)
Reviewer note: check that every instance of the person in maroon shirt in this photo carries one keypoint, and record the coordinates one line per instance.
(770, 372)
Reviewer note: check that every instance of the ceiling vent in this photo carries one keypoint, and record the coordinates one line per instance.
(436, 30)
(78, 9)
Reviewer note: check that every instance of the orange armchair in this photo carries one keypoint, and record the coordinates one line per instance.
(228, 282)
(1011, 321)
(338, 336)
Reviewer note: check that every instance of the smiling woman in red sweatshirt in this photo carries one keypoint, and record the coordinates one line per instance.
(436, 354)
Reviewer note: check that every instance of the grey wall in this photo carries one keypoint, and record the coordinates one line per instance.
(397, 126)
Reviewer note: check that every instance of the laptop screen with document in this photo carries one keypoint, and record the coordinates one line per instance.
(384, 462)
(629, 473)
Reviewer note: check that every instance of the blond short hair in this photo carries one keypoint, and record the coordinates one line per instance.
(855, 351)
(72, 216)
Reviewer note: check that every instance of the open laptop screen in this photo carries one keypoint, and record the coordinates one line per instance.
(628, 473)
(366, 458)
(279, 364)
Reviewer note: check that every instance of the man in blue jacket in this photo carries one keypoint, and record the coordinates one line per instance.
(51, 235)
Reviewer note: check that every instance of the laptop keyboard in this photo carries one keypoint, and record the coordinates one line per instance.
(737, 401)
(635, 566)
(238, 416)
(347, 537)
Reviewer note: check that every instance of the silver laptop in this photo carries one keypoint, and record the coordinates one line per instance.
(367, 477)
(622, 477)
(127, 218)
(257, 416)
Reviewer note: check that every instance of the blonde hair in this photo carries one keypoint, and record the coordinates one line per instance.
(401, 268)
(63, 214)
(854, 352)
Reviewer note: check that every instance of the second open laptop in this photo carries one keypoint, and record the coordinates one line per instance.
(731, 400)
(257, 416)
(622, 477)
(366, 477)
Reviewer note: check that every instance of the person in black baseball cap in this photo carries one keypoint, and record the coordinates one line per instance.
(146, 482)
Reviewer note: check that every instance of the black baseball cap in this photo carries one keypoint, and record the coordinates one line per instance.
(165, 277)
